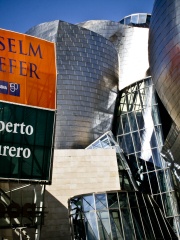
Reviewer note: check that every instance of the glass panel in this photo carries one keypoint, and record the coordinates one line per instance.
(137, 141)
(105, 142)
(146, 223)
(88, 203)
(127, 20)
(123, 201)
(146, 154)
(122, 21)
(169, 180)
(91, 226)
(140, 84)
(154, 183)
(120, 130)
(78, 227)
(148, 19)
(125, 123)
(177, 219)
(145, 187)
(122, 143)
(132, 120)
(174, 203)
(162, 181)
(135, 169)
(148, 82)
(140, 199)
(166, 229)
(159, 135)
(150, 164)
(116, 227)
(153, 141)
(127, 224)
(155, 115)
(167, 204)
(101, 202)
(132, 199)
(125, 181)
(129, 143)
(76, 205)
(140, 119)
(157, 158)
(112, 200)
(158, 200)
(142, 18)
(137, 223)
(134, 18)
(154, 222)
(104, 225)
(97, 144)
(137, 101)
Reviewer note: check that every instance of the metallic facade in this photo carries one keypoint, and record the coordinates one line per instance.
(87, 78)
(132, 49)
(164, 59)
(104, 83)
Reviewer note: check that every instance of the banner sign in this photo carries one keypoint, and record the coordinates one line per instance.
(27, 70)
(27, 107)
(26, 142)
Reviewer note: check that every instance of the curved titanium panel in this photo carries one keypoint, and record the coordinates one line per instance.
(87, 78)
(164, 54)
(131, 44)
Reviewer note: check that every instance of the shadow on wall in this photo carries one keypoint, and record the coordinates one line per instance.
(56, 221)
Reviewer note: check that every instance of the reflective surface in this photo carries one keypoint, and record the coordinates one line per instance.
(132, 47)
(117, 215)
(107, 140)
(137, 20)
(87, 79)
(164, 49)
(139, 134)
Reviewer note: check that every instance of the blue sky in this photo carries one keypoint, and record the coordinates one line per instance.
(20, 15)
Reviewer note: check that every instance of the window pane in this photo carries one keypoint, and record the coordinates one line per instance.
(132, 121)
(134, 18)
(127, 224)
(132, 199)
(104, 225)
(100, 201)
(167, 204)
(142, 18)
(157, 158)
(125, 123)
(129, 143)
(137, 142)
(140, 119)
(88, 203)
(154, 182)
(112, 200)
(91, 226)
(162, 181)
(123, 201)
(116, 227)
(127, 20)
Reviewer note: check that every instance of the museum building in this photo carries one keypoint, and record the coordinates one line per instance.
(116, 170)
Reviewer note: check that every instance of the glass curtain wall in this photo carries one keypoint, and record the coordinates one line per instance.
(126, 179)
(139, 134)
(117, 215)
